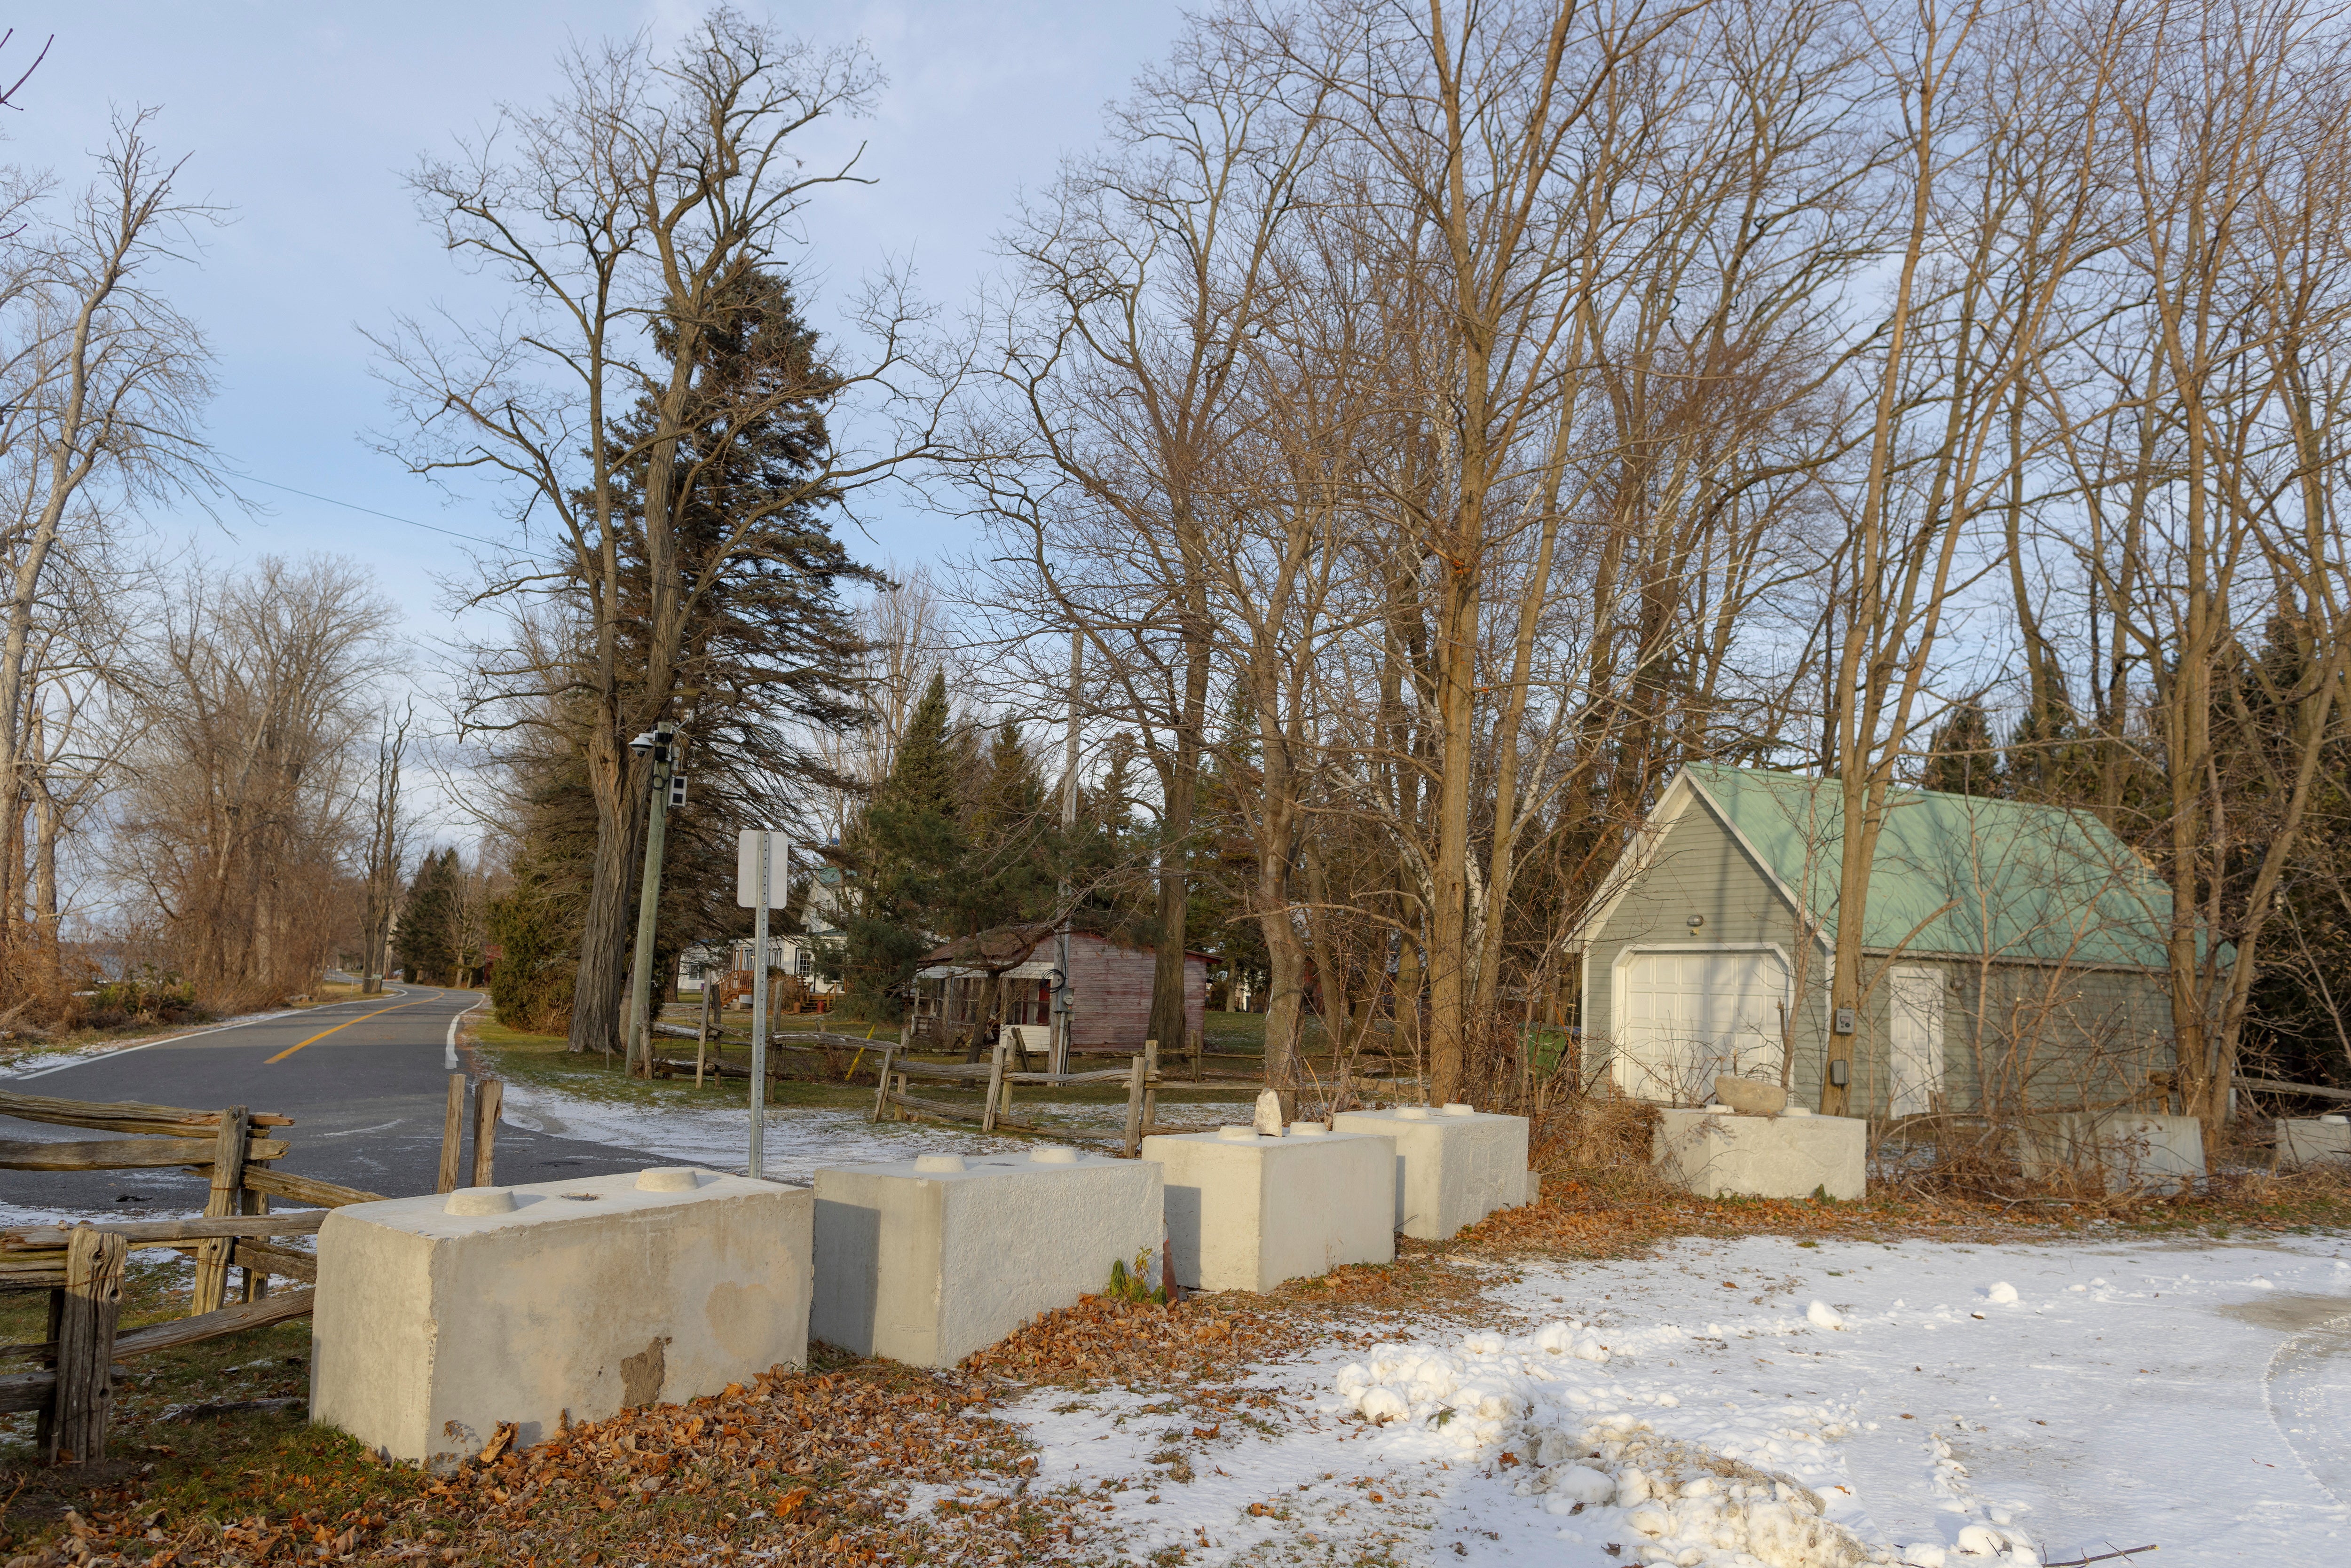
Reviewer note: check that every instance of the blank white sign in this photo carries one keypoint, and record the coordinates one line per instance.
(747, 869)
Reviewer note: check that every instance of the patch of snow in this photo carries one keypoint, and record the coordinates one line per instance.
(2198, 1413)
(1821, 1315)
(2001, 1294)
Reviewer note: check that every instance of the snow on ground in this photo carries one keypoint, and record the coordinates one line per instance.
(800, 1138)
(1926, 1402)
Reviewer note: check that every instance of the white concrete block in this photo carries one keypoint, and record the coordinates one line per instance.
(592, 1295)
(1247, 1213)
(1454, 1166)
(2314, 1140)
(2128, 1151)
(927, 1261)
(1718, 1156)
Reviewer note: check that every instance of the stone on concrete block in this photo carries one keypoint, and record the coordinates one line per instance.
(2124, 1151)
(1454, 1166)
(590, 1295)
(2314, 1140)
(1717, 1155)
(1245, 1214)
(926, 1266)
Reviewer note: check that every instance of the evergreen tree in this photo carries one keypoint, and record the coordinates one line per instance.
(425, 940)
(904, 852)
(1962, 756)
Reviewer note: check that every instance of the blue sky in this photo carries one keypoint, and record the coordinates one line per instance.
(301, 120)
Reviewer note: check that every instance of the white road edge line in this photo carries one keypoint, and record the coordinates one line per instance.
(449, 1047)
(176, 1038)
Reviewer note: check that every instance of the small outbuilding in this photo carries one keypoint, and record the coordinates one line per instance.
(1109, 988)
(2014, 953)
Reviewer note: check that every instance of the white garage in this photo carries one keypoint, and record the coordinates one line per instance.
(1685, 1013)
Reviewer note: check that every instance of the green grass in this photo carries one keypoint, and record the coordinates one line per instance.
(544, 1060)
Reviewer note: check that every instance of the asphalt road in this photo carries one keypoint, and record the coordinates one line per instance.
(366, 1082)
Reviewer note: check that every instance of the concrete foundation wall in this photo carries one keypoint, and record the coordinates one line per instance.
(2316, 1140)
(927, 1266)
(1717, 1156)
(1246, 1213)
(1452, 1170)
(431, 1328)
(2129, 1151)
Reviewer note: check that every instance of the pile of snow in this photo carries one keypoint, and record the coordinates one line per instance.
(1537, 1401)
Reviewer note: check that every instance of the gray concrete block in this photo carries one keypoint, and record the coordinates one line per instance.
(1715, 1154)
(927, 1261)
(2127, 1151)
(2314, 1140)
(1247, 1213)
(587, 1296)
(1453, 1166)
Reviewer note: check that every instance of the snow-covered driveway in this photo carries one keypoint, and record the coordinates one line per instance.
(1854, 1401)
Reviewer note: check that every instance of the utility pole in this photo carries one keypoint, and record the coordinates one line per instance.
(662, 741)
(1060, 1056)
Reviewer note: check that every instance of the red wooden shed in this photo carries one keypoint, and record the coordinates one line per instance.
(1109, 982)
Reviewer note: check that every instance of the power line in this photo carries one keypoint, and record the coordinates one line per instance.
(370, 511)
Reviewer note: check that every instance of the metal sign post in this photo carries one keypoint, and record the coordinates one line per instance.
(762, 859)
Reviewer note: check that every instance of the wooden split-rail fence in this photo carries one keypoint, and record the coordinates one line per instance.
(82, 1266)
(1140, 1075)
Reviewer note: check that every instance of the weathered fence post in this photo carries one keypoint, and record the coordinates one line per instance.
(994, 1084)
(1150, 1087)
(488, 1094)
(1132, 1144)
(228, 1175)
(453, 1134)
(882, 1084)
(76, 1430)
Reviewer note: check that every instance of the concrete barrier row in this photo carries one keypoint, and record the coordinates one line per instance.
(439, 1317)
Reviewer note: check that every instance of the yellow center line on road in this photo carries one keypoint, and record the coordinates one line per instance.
(346, 1024)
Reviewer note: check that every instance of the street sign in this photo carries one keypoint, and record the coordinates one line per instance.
(747, 869)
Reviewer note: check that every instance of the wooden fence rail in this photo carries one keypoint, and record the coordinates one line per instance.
(82, 1266)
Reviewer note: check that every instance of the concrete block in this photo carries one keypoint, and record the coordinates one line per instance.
(1716, 1155)
(2315, 1140)
(1246, 1212)
(927, 1261)
(1454, 1166)
(590, 1296)
(2127, 1151)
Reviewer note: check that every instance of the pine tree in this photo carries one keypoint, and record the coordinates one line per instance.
(426, 941)
(905, 851)
(1962, 756)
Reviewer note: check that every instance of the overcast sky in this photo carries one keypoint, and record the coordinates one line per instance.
(301, 120)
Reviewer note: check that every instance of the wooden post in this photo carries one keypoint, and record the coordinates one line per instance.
(995, 1085)
(453, 1135)
(1150, 1083)
(1132, 1144)
(228, 1175)
(882, 1084)
(898, 1112)
(701, 1033)
(254, 1283)
(93, 1305)
(1198, 1046)
(487, 1095)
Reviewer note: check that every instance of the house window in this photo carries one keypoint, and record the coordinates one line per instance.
(805, 964)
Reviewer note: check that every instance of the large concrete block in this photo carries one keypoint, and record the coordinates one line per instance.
(1246, 1212)
(1454, 1166)
(2316, 1140)
(585, 1296)
(2127, 1151)
(1715, 1154)
(927, 1261)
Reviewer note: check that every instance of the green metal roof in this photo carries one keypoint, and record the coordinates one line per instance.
(1957, 874)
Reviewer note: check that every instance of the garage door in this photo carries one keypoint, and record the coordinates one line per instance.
(1688, 1016)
